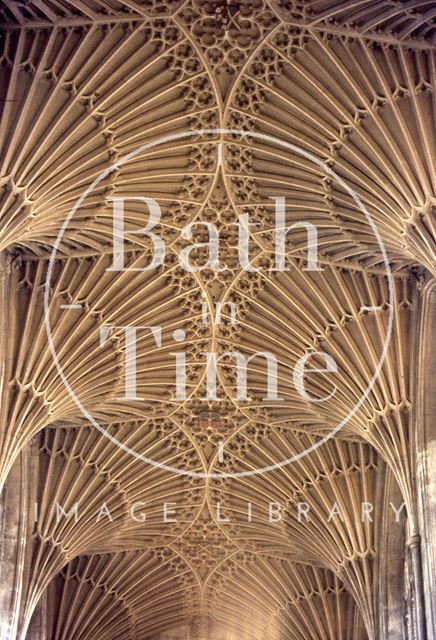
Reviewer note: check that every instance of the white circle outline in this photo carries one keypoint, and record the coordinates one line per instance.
(258, 136)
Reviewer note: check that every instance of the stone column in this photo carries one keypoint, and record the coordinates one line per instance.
(391, 565)
(417, 624)
(423, 547)
(17, 503)
(14, 544)
(7, 327)
(18, 478)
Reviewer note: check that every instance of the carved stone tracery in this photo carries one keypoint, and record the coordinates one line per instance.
(87, 83)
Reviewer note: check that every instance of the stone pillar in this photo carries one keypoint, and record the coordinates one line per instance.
(423, 548)
(14, 544)
(6, 333)
(391, 565)
(17, 503)
(417, 624)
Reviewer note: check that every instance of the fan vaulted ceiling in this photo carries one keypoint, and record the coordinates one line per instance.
(88, 82)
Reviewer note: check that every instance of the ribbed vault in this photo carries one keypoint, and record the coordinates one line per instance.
(87, 82)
